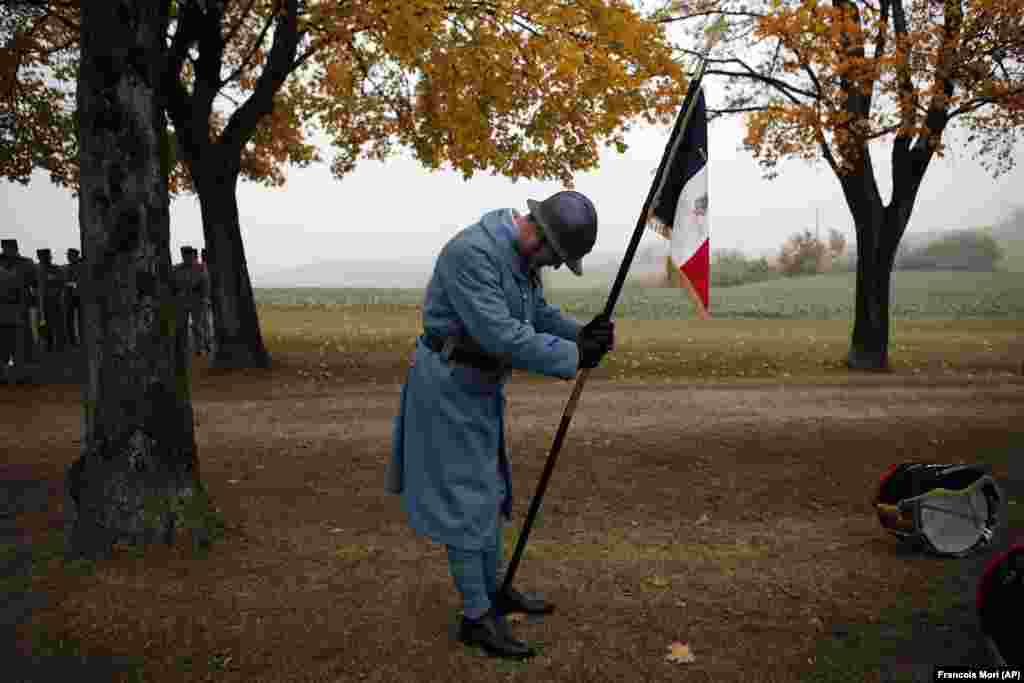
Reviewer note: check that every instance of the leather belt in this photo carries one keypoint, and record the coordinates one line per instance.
(480, 361)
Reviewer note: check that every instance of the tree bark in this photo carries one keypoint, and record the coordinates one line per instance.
(879, 231)
(869, 345)
(136, 479)
(238, 342)
(876, 248)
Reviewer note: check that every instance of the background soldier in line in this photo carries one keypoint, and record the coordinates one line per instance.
(27, 268)
(206, 315)
(15, 294)
(188, 290)
(51, 301)
(72, 298)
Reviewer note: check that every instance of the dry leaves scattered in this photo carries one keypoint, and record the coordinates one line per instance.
(679, 653)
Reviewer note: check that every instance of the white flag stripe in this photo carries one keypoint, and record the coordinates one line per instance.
(690, 228)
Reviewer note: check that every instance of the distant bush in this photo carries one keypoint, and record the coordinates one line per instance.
(805, 254)
(969, 250)
(730, 267)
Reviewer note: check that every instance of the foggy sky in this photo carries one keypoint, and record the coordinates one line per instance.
(400, 210)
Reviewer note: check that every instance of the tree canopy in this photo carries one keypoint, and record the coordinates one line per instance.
(38, 70)
(522, 88)
(823, 80)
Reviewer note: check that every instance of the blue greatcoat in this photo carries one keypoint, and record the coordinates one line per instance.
(448, 458)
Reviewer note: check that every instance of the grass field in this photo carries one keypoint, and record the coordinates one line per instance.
(916, 295)
(665, 350)
(771, 329)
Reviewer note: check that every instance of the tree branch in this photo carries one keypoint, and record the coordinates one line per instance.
(826, 152)
(908, 96)
(255, 46)
(184, 37)
(883, 25)
(245, 119)
(304, 57)
(230, 99)
(783, 87)
(979, 102)
(936, 119)
(208, 66)
(735, 110)
(708, 13)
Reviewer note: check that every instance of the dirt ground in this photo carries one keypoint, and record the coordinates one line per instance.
(733, 516)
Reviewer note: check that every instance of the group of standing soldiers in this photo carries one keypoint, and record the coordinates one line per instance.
(40, 304)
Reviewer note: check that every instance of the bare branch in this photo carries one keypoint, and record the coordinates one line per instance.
(908, 95)
(826, 153)
(936, 119)
(230, 99)
(980, 102)
(185, 35)
(883, 25)
(708, 13)
(305, 56)
(735, 110)
(783, 87)
(278, 66)
(211, 58)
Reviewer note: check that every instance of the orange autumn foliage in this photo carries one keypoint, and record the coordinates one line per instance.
(823, 80)
(522, 88)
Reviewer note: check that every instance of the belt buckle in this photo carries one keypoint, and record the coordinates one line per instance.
(448, 348)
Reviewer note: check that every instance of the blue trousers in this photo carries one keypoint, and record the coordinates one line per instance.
(476, 575)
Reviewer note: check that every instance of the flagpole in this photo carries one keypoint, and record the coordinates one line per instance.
(613, 296)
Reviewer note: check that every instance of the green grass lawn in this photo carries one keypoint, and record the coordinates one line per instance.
(916, 295)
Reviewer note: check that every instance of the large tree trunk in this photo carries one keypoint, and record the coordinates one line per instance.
(869, 345)
(214, 162)
(136, 479)
(879, 231)
(238, 342)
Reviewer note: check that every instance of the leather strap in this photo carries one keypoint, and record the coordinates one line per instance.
(461, 355)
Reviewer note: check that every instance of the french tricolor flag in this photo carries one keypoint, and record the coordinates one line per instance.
(680, 206)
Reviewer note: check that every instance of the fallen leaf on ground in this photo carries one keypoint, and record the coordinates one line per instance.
(657, 581)
(680, 653)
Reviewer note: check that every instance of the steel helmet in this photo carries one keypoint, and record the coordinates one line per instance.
(569, 220)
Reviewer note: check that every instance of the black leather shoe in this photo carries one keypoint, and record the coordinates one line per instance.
(513, 601)
(493, 636)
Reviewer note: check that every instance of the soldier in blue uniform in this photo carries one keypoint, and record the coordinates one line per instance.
(484, 313)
